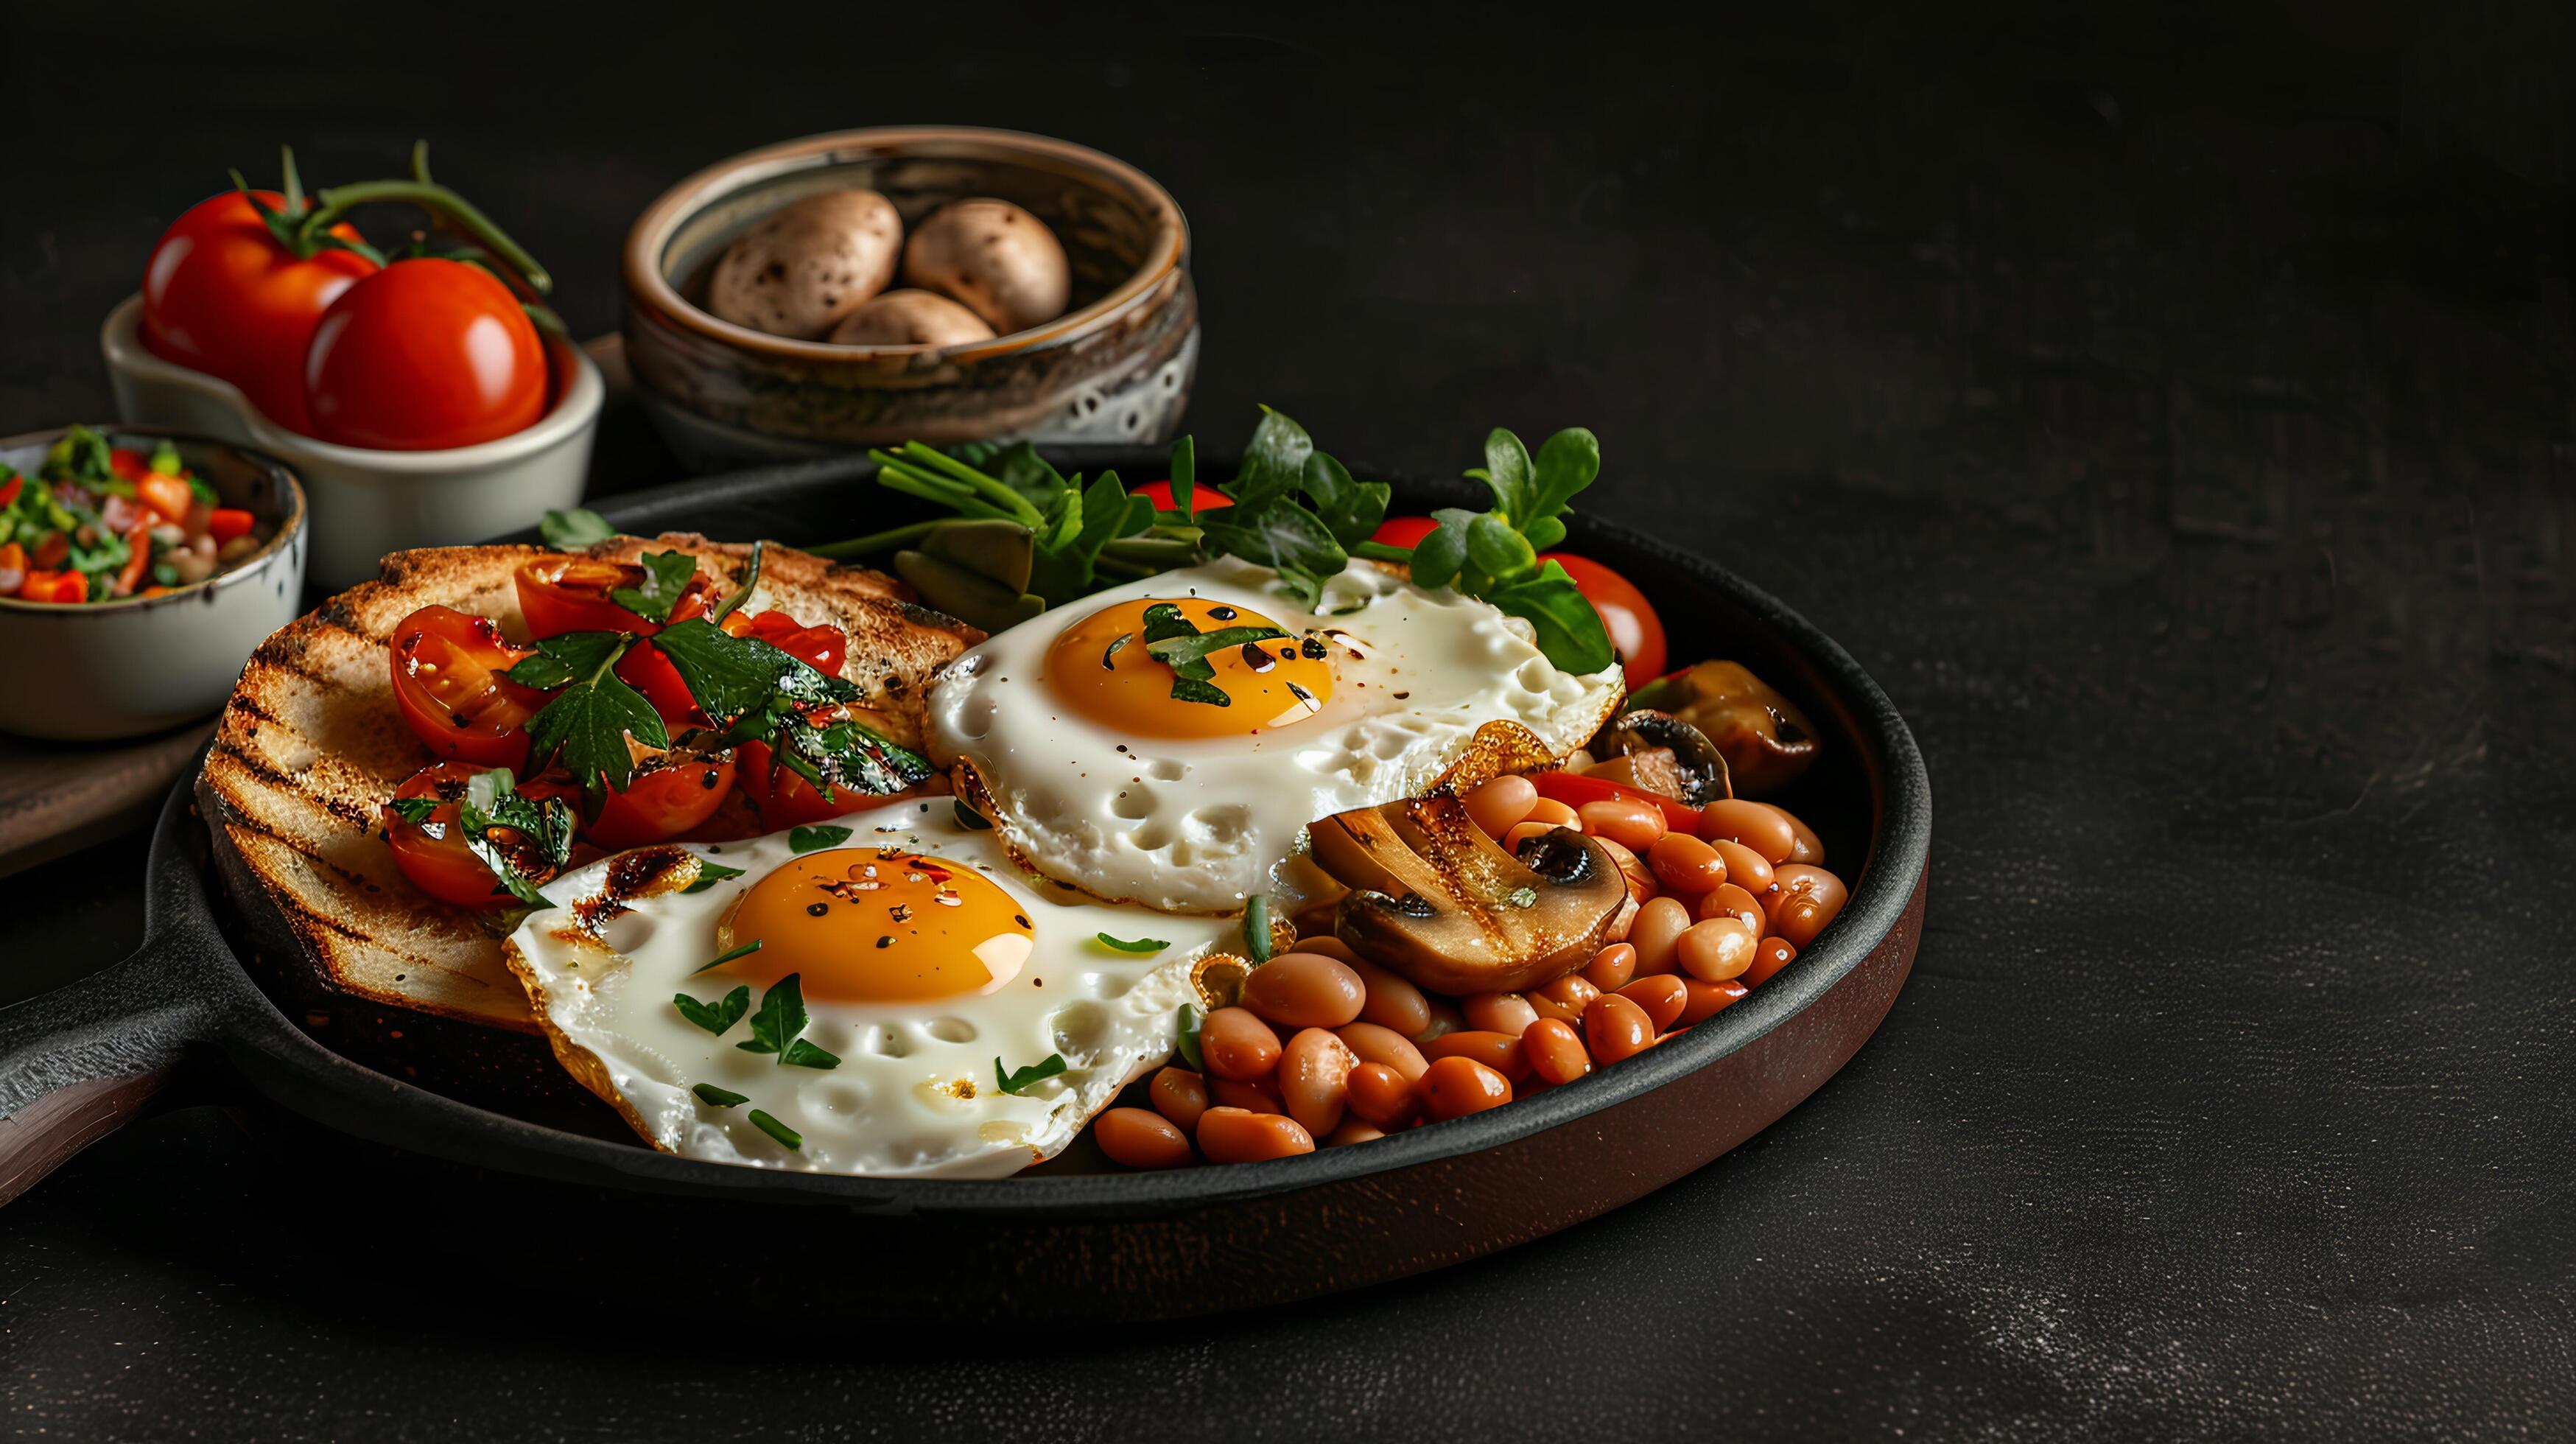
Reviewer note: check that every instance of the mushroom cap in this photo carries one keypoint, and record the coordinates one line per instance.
(998, 259)
(910, 317)
(803, 267)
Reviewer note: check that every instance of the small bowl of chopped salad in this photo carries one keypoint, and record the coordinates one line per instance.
(138, 570)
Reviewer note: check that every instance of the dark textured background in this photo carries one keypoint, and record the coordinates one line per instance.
(2172, 412)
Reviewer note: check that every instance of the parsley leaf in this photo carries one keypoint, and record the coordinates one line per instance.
(717, 1016)
(815, 839)
(709, 874)
(732, 955)
(1139, 945)
(588, 722)
(1028, 1077)
(1186, 1040)
(1173, 651)
(415, 810)
(780, 1019)
(574, 529)
(738, 678)
(666, 576)
(720, 1097)
(514, 833)
(846, 753)
(787, 1137)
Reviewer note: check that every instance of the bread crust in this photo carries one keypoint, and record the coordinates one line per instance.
(311, 746)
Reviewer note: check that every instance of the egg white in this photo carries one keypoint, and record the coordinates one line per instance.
(914, 1094)
(1196, 825)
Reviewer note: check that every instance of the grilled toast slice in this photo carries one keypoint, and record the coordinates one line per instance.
(311, 747)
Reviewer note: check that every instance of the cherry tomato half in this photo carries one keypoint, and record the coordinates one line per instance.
(447, 670)
(221, 296)
(665, 799)
(424, 355)
(1403, 531)
(1203, 497)
(433, 853)
(785, 799)
(559, 594)
(1625, 613)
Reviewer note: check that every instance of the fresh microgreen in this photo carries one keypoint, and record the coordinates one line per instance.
(415, 810)
(787, 1137)
(587, 724)
(717, 1016)
(574, 529)
(780, 1019)
(1256, 930)
(666, 576)
(508, 830)
(730, 955)
(1027, 1078)
(1136, 945)
(719, 1097)
(817, 837)
(709, 874)
(1185, 1038)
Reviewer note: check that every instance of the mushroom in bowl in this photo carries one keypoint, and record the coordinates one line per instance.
(159, 643)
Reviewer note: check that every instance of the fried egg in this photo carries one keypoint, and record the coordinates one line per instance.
(926, 963)
(1109, 770)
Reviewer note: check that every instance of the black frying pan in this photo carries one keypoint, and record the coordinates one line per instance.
(77, 1063)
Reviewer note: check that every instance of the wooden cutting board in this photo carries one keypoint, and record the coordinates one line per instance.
(56, 797)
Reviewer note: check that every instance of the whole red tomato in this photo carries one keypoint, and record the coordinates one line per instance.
(222, 296)
(1403, 531)
(424, 355)
(1625, 613)
(1203, 497)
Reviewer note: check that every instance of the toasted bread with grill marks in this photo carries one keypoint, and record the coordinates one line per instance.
(311, 747)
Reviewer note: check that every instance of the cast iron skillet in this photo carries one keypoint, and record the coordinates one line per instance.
(77, 1063)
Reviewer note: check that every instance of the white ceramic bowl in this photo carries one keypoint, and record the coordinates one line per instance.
(368, 502)
(94, 671)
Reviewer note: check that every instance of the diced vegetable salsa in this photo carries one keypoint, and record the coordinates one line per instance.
(98, 522)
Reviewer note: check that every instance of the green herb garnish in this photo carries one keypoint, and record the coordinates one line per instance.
(717, 1016)
(709, 874)
(1256, 929)
(736, 954)
(780, 1019)
(1139, 945)
(504, 827)
(574, 529)
(666, 576)
(1186, 1041)
(720, 1097)
(415, 810)
(588, 721)
(787, 1137)
(816, 838)
(1024, 1079)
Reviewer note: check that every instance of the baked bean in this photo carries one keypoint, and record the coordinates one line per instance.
(1811, 897)
(1615, 1028)
(1707, 999)
(1658, 924)
(1731, 901)
(1141, 1138)
(1759, 826)
(1804, 845)
(1716, 950)
(1683, 863)
(1641, 878)
(1234, 1135)
(1555, 1051)
(1769, 956)
(1745, 868)
(1445, 1018)
(1237, 1044)
(1565, 999)
(1498, 1051)
(1553, 812)
(1662, 996)
(1305, 990)
(1314, 1078)
(1179, 1095)
(1632, 824)
(1386, 1046)
(1381, 1095)
(1504, 1013)
(1612, 967)
(1325, 943)
(1354, 1131)
(1392, 1001)
(1456, 1086)
(1499, 805)
(1261, 1095)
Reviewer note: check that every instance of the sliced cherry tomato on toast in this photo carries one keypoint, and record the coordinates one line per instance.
(564, 593)
(447, 668)
(666, 798)
(432, 853)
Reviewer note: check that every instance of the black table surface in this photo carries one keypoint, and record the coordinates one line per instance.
(2173, 414)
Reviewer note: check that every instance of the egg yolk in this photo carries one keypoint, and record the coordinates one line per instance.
(1102, 667)
(878, 925)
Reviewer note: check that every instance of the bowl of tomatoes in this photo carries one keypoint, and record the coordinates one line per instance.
(138, 569)
(423, 394)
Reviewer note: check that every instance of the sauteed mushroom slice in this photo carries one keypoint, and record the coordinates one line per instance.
(1662, 753)
(1766, 741)
(1436, 900)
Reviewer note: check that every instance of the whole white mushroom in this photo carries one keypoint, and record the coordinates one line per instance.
(807, 265)
(911, 318)
(997, 258)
